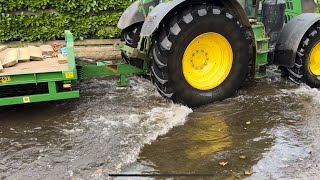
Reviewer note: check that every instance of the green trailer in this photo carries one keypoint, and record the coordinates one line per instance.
(53, 82)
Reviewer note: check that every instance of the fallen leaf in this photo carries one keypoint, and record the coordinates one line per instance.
(248, 122)
(100, 170)
(248, 173)
(242, 157)
(223, 163)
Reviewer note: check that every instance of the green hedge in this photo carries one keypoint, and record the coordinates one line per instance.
(29, 20)
(318, 7)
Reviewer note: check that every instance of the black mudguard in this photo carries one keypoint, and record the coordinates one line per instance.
(290, 38)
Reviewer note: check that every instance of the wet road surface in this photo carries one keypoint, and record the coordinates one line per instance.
(84, 138)
(270, 129)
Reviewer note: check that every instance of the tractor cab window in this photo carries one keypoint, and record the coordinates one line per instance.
(249, 6)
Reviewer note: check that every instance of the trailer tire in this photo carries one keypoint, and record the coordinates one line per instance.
(131, 36)
(173, 68)
(307, 62)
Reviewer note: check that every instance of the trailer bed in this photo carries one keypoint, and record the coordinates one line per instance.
(46, 65)
(38, 81)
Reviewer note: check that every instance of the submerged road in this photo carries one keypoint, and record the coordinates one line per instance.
(269, 130)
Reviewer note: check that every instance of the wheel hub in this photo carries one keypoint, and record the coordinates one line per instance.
(314, 60)
(199, 59)
(207, 61)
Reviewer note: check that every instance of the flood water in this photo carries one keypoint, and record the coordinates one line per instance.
(269, 130)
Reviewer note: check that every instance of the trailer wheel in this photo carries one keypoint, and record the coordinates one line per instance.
(307, 62)
(200, 56)
(131, 36)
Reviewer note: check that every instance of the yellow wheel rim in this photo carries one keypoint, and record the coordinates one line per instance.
(314, 60)
(207, 61)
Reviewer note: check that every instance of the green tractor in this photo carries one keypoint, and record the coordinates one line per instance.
(201, 51)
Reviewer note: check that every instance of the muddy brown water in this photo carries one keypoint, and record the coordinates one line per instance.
(271, 124)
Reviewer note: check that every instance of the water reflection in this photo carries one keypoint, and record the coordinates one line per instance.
(266, 125)
(207, 136)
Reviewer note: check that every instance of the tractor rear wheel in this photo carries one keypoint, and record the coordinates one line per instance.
(200, 56)
(307, 62)
(131, 36)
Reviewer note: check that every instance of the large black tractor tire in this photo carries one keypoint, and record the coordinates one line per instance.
(131, 36)
(307, 62)
(175, 37)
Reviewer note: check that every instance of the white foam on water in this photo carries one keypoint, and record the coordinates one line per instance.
(158, 121)
(107, 129)
(295, 152)
(117, 128)
(305, 90)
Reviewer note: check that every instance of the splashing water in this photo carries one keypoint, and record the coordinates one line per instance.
(95, 135)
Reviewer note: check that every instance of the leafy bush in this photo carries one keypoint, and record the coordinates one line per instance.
(29, 20)
(318, 7)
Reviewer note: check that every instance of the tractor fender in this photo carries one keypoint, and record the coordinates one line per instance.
(290, 38)
(131, 16)
(155, 17)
